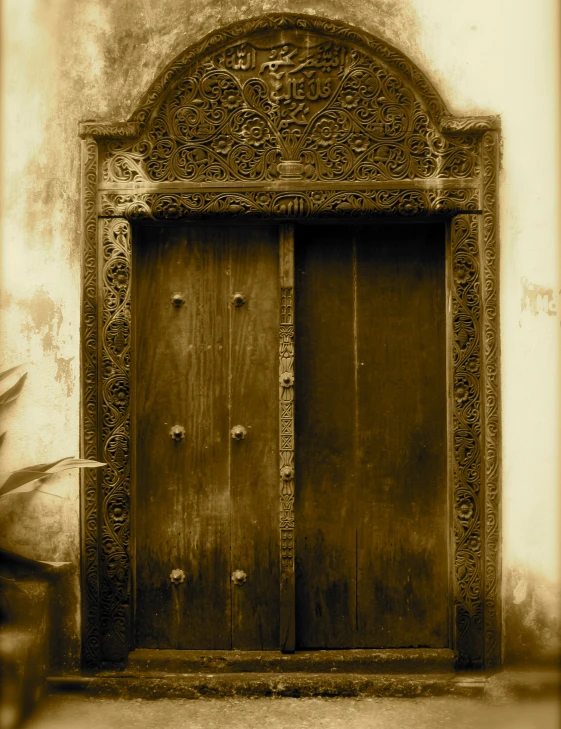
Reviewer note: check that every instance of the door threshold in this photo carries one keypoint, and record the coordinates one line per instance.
(363, 661)
(263, 684)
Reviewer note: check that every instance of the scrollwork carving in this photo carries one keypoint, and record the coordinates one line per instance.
(90, 338)
(298, 204)
(491, 398)
(109, 130)
(115, 439)
(466, 315)
(322, 106)
(469, 124)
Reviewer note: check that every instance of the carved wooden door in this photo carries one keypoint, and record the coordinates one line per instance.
(371, 509)
(206, 352)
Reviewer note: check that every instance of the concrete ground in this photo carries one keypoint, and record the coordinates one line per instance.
(68, 711)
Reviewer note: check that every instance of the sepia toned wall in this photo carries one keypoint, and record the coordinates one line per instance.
(65, 61)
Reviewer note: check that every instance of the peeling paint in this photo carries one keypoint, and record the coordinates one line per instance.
(64, 373)
(44, 316)
(41, 310)
(538, 299)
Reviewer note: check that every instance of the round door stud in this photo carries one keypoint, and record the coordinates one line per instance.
(287, 473)
(287, 379)
(177, 576)
(177, 299)
(238, 299)
(239, 577)
(177, 432)
(238, 432)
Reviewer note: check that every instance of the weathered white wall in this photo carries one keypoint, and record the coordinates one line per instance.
(65, 61)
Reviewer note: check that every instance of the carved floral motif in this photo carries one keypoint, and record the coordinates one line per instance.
(239, 113)
(466, 325)
(90, 398)
(491, 398)
(115, 438)
(286, 395)
(302, 204)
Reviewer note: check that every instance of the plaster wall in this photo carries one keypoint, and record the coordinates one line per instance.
(65, 61)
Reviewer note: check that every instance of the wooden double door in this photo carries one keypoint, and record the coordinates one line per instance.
(371, 495)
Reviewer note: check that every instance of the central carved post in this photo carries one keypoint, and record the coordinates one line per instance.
(286, 436)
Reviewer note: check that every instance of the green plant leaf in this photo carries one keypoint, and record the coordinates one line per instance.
(12, 394)
(42, 471)
(7, 373)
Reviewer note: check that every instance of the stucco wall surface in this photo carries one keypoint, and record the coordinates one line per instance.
(65, 61)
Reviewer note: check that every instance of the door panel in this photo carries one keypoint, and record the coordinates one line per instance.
(206, 504)
(371, 464)
(402, 528)
(371, 494)
(254, 461)
(325, 441)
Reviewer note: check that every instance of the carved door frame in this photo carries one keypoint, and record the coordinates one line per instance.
(404, 157)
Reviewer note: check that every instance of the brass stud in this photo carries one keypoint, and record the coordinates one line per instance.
(177, 299)
(177, 432)
(177, 576)
(238, 432)
(238, 299)
(239, 577)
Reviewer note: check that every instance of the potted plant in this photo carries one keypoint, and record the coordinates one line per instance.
(25, 588)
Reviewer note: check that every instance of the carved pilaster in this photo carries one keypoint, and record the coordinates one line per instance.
(115, 441)
(90, 402)
(491, 401)
(286, 395)
(466, 386)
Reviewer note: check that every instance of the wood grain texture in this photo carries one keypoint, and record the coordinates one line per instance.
(254, 460)
(402, 515)
(325, 440)
(371, 507)
(202, 366)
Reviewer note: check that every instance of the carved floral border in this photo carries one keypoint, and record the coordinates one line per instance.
(107, 246)
(289, 204)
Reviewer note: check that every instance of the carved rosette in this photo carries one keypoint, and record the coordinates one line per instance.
(466, 384)
(286, 395)
(115, 439)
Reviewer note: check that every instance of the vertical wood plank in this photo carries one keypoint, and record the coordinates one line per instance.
(402, 515)
(286, 439)
(254, 460)
(183, 492)
(325, 433)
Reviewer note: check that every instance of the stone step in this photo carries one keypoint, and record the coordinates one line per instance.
(294, 684)
(408, 660)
